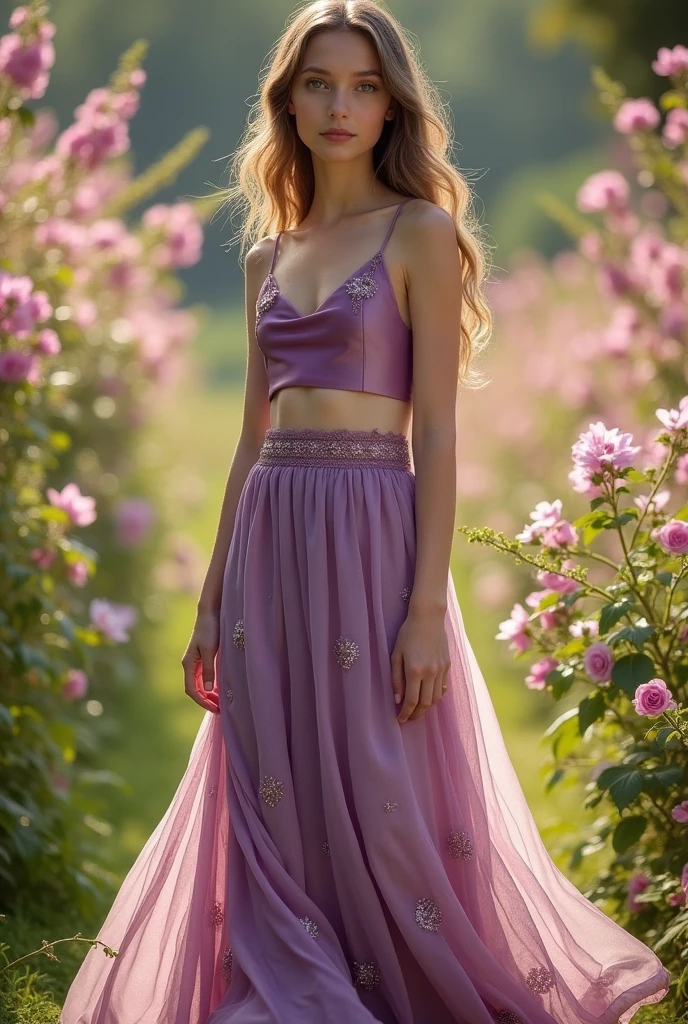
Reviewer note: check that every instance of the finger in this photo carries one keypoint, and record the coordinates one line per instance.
(445, 679)
(190, 665)
(208, 668)
(397, 676)
(425, 694)
(412, 677)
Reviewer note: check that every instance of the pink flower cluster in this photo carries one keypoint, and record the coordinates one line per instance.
(548, 527)
(597, 452)
(100, 131)
(113, 620)
(80, 508)
(27, 54)
(179, 232)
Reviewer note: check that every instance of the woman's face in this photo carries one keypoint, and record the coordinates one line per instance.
(339, 86)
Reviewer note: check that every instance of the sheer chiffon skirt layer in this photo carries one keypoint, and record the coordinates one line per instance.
(319, 861)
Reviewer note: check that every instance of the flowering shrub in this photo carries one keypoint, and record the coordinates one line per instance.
(613, 633)
(90, 332)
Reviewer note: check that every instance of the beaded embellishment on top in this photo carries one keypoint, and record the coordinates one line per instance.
(366, 975)
(364, 285)
(539, 979)
(267, 297)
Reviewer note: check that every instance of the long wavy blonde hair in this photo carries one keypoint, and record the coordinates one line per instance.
(271, 170)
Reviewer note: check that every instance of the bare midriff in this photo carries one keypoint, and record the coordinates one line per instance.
(332, 409)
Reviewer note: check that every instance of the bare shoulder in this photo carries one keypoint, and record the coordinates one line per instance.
(425, 225)
(259, 257)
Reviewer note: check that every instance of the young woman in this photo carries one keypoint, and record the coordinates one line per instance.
(350, 842)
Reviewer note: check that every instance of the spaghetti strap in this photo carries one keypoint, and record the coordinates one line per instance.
(394, 220)
(274, 251)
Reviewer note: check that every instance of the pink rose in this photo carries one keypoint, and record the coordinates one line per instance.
(680, 811)
(76, 684)
(673, 537)
(653, 698)
(599, 661)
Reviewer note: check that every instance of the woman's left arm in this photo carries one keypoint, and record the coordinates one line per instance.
(420, 660)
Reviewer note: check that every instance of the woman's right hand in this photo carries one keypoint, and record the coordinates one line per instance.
(199, 661)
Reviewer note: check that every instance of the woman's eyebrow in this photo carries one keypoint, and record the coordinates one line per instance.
(357, 74)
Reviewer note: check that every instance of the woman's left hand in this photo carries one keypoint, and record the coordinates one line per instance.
(420, 664)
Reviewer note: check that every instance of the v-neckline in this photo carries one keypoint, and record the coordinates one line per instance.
(305, 316)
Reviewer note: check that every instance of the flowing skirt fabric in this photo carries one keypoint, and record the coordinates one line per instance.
(320, 862)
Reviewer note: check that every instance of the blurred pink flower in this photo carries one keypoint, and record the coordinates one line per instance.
(182, 234)
(76, 685)
(636, 115)
(673, 320)
(133, 519)
(544, 515)
(675, 131)
(653, 698)
(80, 508)
(553, 580)
(584, 627)
(48, 342)
(658, 502)
(684, 879)
(77, 572)
(538, 672)
(670, 62)
(612, 280)
(680, 812)
(99, 132)
(637, 884)
(674, 419)
(534, 598)
(43, 557)
(561, 535)
(591, 246)
(21, 308)
(599, 448)
(602, 191)
(16, 366)
(27, 62)
(619, 334)
(676, 899)
(672, 536)
(113, 620)
(681, 473)
(599, 662)
(514, 629)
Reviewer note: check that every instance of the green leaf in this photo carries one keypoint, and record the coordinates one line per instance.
(635, 476)
(631, 670)
(623, 782)
(665, 578)
(627, 516)
(591, 710)
(611, 613)
(26, 116)
(657, 779)
(682, 513)
(596, 502)
(556, 776)
(666, 735)
(561, 681)
(628, 832)
(637, 634)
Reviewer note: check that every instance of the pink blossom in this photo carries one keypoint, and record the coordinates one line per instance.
(48, 342)
(545, 514)
(99, 133)
(514, 629)
(672, 536)
(684, 879)
(76, 684)
(674, 419)
(113, 620)
(602, 191)
(600, 449)
(675, 131)
(612, 280)
(653, 698)
(539, 671)
(680, 812)
(77, 572)
(622, 222)
(670, 62)
(43, 557)
(20, 307)
(636, 884)
(16, 366)
(621, 330)
(599, 662)
(555, 581)
(534, 598)
(133, 518)
(550, 618)
(636, 115)
(676, 899)
(63, 233)
(561, 535)
(673, 320)
(581, 482)
(182, 234)
(26, 64)
(80, 508)
(591, 246)
(584, 627)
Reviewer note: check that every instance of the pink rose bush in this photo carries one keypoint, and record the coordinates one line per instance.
(91, 334)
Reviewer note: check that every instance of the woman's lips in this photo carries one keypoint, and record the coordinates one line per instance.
(337, 136)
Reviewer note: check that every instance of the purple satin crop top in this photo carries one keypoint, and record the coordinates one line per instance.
(355, 340)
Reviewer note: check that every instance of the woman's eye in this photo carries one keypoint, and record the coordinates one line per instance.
(312, 80)
(373, 88)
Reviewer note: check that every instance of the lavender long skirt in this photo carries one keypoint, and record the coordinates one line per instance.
(320, 862)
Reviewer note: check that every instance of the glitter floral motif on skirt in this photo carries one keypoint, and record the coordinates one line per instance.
(366, 975)
(428, 915)
(539, 979)
(216, 915)
(508, 1017)
(459, 845)
(227, 962)
(271, 790)
(346, 652)
(238, 635)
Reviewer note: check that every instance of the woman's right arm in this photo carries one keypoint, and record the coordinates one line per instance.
(199, 658)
